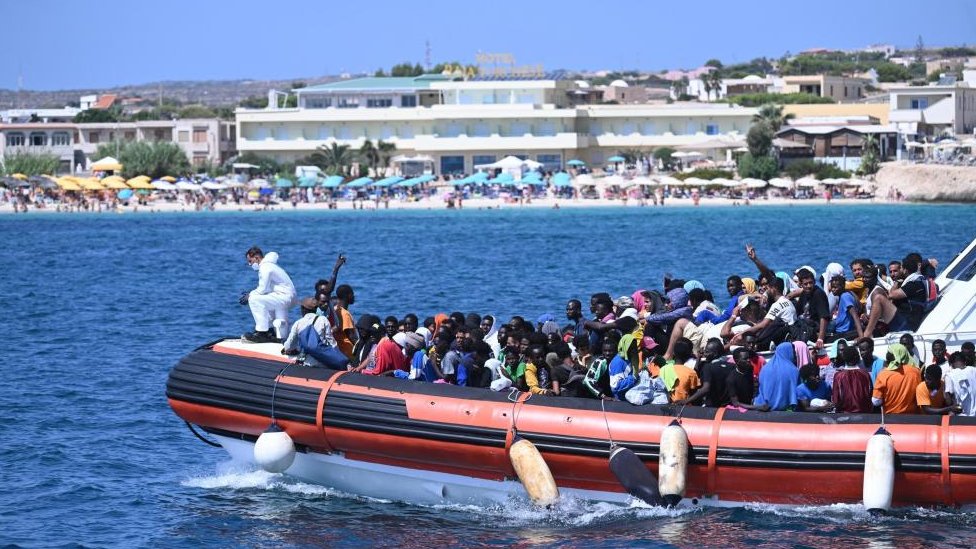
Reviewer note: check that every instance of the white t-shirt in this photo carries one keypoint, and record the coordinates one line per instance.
(961, 383)
(784, 310)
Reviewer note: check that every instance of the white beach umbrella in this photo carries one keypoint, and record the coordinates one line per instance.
(583, 180)
(187, 186)
(753, 183)
(781, 182)
(669, 181)
(862, 183)
(725, 182)
(834, 181)
(161, 185)
(642, 181)
(611, 180)
(807, 182)
(695, 182)
(213, 186)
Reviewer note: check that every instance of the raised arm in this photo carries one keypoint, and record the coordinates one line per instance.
(767, 273)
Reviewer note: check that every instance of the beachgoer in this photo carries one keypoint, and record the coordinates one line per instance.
(270, 300)
(778, 380)
(851, 390)
(894, 389)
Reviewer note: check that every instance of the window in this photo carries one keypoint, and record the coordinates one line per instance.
(525, 99)
(647, 128)
(345, 132)
(482, 129)
(348, 103)
(845, 91)
(966, 269)
(692, 128)
(15, 139)
(545, 129)
(920, 103)
(325, 132)
(628, 128)
(551, 162)
(38, 139)
(130, 136)
(480, 159)
(199, 135)
(452, 164)
(159, 135)
(60, 139)
(183, 136)
(408, 101)
(318, 102)
(406, 131)
(93, 137)
(379, 103)
(711, 129)
(596, 128)
(453, 129)
(386, 132)
(518, 129)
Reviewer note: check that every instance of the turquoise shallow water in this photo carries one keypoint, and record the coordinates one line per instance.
(99, 307)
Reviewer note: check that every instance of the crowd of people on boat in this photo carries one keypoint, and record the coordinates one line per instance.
(674, 345)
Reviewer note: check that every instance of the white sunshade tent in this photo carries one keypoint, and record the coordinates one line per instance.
(696, 182)
(725, 182)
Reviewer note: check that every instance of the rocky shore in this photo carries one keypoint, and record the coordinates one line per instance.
(927, 182)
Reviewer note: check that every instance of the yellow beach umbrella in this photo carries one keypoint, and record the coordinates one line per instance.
(168, 178)
(19, 176)
(68, 184)
(138, 183)
(116, 184)
(91, 184)
(143, 177)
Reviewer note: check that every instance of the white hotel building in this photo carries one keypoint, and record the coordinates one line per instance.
(463, 123)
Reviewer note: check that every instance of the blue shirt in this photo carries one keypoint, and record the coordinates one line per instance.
(844, 321)
(876, 368)
(708, 316)
(778, 380)
(803, 392)
(621, 376)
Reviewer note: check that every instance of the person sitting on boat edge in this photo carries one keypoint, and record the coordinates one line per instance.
(851, 389)
(894, 390)
(270, 300)
(930, 394)
(778, 380)
(961, 383)
(538, 376)
(812, 393)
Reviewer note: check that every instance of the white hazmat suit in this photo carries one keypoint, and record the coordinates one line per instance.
(275, 294)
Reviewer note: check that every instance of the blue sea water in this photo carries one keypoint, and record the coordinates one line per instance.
(99, 307)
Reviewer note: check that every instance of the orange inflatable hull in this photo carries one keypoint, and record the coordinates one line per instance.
(776, 457)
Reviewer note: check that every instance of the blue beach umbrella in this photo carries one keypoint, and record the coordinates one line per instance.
(283, 183)
(333, 181)
(561, 179)
(616, 159)
(307, 182)
(125, 194)
(576, 162)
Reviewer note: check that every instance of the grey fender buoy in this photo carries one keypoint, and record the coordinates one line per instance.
(274, 451)
(879, 471)
(673, 463)
(634, 476)
(533, 471)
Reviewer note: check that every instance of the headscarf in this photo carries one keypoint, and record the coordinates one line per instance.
(900, 354)
(749, 285)
(788, 284)
(638, 298)
(546, 317)
(414, 340)
(624, 345)
(832, 270)
(678, 298)
(549, 327)
(425, 333)
(439, 319)
(692, 284)
(802, 353)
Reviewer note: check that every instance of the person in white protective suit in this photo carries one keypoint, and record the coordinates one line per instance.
(272, 298)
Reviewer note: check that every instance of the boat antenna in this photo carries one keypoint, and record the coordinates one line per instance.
(603, 408)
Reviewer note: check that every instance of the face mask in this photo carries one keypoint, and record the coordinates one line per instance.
(256, 266)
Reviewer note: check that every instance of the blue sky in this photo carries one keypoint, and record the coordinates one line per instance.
(104, 43)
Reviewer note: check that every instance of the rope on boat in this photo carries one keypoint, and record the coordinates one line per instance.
(603, 408)
(201, 437)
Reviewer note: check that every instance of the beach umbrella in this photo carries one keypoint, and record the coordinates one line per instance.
(265, 191)
(213, 186)
(168, 178)
(753, 183)
(114, 183)
(19, 176)
(125, 194)
(616, 159)
(139, 183)
(283, 183)
(561, 179)
(91, 184)
(669, 181)
(187, 186)
(107, 164)
(695, 182)
(807, 182)
(332, 181)
(781, 182)
(575, 162)
(68, 184)
(834, 181)
(161, 185)
(503, 178)
(307, 181)
(725, 182)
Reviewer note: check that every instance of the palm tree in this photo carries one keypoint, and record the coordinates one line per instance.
(714, 78)
(334, 159)
(368, 156)
(386, 150)
(707, 85)
(772, 115)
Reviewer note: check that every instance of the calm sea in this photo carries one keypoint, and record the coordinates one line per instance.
(100, 306)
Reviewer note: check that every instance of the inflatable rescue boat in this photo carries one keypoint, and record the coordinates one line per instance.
(435, 443)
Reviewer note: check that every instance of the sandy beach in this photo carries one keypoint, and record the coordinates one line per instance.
(163, 206)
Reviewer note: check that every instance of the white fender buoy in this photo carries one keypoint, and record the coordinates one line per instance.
(879, 471)
(673, 463)
(274, 450)
(533, 472)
